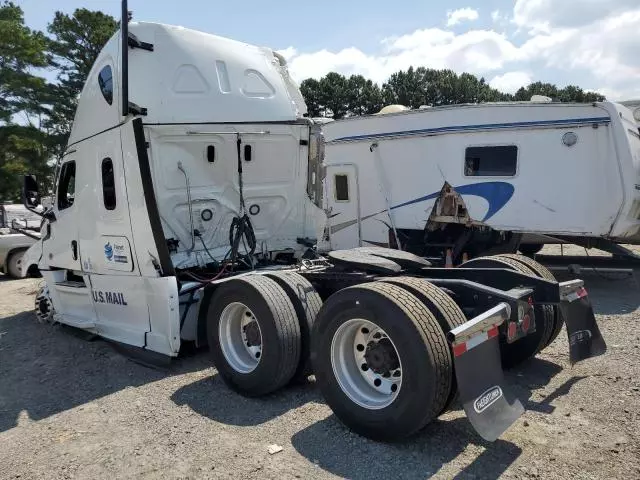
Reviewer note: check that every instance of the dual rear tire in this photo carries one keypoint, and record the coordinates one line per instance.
(378, 350)
(258, 330)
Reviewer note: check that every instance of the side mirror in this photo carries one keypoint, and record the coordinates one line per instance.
(30, 192)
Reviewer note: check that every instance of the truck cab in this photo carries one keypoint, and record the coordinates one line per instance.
(148, 187)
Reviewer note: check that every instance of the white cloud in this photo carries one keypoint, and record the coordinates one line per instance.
(510, 82)
(595, 49)
(461, 15)
(288, 53)
(476, 51)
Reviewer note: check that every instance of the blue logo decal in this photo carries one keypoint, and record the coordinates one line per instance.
(108, 251)
(496, 193)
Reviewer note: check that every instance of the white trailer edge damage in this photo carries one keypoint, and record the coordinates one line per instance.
(188, 216)
(476, 178)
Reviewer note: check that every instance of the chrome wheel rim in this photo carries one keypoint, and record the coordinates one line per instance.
(43, 306)
(366, 364)
(240, 337)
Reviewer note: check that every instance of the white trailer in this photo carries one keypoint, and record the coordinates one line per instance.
(476, 178)
(191, 216)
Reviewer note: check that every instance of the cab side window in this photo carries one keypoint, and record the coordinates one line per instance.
(105, 80)
(108, 185)
(67, 185)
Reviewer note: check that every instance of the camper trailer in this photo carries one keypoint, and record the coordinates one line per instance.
(475, 179)
(188, 208)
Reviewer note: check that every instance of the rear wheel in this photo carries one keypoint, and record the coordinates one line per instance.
(14, 264)
(253, 335)
(381, 360)
(307, 304)
(514, 353)
(441, 305)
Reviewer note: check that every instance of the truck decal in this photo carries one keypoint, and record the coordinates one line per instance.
(113, 298)
(115, 253)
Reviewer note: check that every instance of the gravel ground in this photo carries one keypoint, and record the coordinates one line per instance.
(73, 408)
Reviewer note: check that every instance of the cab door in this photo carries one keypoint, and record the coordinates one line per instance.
(60, 247)
(343, 204)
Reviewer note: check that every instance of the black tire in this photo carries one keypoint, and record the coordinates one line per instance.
(543, 272)
(307, 304)
(446, 311)
(427, 370)
(515, 353)
(539, 269)
(14, 263)
(279, 328)
(530, 248)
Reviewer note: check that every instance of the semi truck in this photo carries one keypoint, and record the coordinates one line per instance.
(186, 210)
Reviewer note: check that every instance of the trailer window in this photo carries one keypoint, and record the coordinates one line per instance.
(105, 80)
(493, 161)
(67, 185)
(108, 185)
(341, 185)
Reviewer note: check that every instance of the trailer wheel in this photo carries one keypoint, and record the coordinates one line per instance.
(381, 360)
(530, 248)
(542, 272)
(307, 304)
(253, 335)
(514, 353)
(443, 307)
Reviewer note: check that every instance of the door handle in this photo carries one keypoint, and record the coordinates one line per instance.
(74, 249)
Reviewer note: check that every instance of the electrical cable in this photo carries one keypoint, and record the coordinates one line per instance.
(241, 228)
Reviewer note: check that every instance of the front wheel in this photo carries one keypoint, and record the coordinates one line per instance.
(381, 360)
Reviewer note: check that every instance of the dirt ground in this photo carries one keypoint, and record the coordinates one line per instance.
(72, 408)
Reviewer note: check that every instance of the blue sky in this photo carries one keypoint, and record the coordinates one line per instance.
(592, 43)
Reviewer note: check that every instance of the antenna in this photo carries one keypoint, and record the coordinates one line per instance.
(124, 45)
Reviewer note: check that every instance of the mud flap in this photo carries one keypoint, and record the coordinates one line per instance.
(488, 401)
(585, 339)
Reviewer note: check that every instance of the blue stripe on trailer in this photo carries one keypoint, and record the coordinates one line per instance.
(485, 126)
(497, 194)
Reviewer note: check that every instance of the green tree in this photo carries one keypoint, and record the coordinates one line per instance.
(334, 95)
(406, 88)
(22, 99)
(21, 50)
(23, 149)
(74, 45)
(364, 96)
(310, 89)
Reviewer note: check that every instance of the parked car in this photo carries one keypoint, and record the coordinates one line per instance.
(19, 229)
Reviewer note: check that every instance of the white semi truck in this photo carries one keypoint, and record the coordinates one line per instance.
(192, 215)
